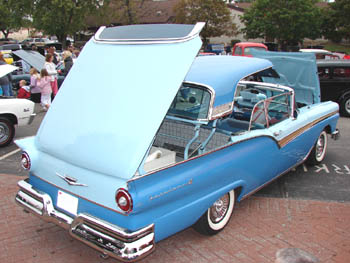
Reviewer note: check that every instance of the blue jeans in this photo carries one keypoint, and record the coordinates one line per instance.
(6, 89)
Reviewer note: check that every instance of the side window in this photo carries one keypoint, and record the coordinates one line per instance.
(191, 102)
(324, 73)
(238, 51)
(247, 51)
(341, 72)
(259, 119)
(271, 111)
(279, 108)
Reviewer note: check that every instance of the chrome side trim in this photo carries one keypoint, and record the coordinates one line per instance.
(103, 236)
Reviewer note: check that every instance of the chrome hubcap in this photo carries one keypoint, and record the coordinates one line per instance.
(219, 209)
(4, 133)
(320, 146)
(347, 106)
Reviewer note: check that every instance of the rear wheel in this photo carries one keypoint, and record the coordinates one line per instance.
(318, 152)
(217, 216)
(345, 106)
(7, 131)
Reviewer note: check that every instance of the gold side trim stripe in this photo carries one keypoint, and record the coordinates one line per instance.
(295, 134)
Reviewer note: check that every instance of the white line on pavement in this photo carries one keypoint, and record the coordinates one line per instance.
(14, 151)
(9, 154)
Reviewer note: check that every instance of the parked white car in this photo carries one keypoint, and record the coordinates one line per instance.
(13, 112)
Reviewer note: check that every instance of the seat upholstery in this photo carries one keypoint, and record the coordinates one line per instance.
(248, 99)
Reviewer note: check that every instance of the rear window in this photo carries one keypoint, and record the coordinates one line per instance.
(191, 102)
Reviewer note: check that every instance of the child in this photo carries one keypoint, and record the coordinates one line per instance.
(35, 92)
(24, 90)
(44, 84)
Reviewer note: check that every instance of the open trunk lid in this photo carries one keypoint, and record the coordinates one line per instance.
(116, 95)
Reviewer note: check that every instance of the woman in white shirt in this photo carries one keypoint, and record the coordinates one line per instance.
(51, 70)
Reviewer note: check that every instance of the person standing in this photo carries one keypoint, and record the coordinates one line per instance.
(52, 51)
(71, 49)
(5, 81)
(68, 62)
(35, 90)
(44, 84)
(51, 70)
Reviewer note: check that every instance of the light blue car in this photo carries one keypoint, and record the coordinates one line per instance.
(176, 140)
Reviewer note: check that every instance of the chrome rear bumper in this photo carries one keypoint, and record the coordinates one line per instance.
(101, 235)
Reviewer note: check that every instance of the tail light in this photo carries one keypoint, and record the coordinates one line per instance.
(25, 161)
(124, 200)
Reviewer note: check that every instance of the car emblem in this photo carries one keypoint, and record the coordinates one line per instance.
(70, 180)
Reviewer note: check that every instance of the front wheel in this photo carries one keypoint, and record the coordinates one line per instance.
(7, 131)
(345, 106)
(318, 152)
(217, 216)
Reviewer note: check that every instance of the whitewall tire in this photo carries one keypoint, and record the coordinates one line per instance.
(217, 216)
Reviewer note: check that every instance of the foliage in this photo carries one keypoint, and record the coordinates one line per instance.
(214, 13)
(64, 17)
(287, 21)
(336, 47)
(127, 10)
(13, 15)
(336, 23)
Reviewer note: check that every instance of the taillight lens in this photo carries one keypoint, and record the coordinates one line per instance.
(124, 200)
(25, 161)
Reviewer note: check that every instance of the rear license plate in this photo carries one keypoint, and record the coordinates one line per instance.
(67, 202)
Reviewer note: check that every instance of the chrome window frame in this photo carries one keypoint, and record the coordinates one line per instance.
(193, 34)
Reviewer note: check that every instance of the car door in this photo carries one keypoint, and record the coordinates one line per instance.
(286, 128)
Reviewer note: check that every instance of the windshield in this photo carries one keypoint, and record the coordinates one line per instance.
(191, 102)
(248, 50)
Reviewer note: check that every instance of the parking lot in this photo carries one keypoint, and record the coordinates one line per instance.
(307, 208)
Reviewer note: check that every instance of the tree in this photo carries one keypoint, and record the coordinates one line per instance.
(64, 17)
(287, 21)
(14, 15)
(214, 13)
(125, 12)
(336, 21)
